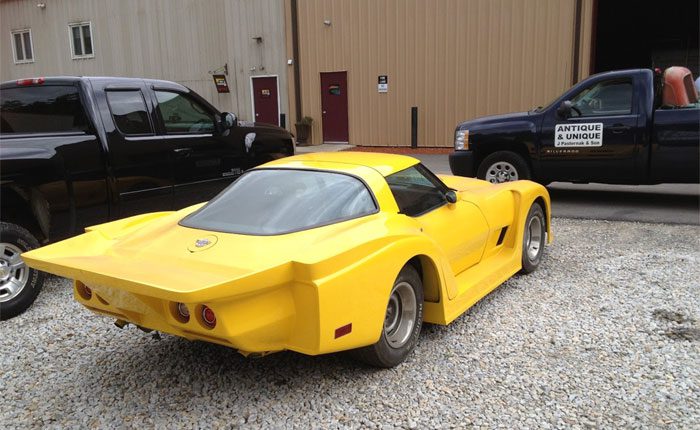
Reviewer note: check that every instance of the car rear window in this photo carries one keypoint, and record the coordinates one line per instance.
(279, 201)
(41, 109)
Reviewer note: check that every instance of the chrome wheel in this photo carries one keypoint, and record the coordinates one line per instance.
(501, 171)
(14, 274)
(400, 315)
(533, 238)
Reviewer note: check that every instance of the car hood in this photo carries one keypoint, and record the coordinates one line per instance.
(261, 127)
(492, 119)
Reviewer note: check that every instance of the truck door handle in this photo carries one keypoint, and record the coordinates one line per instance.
(619, 128)
(182, 152)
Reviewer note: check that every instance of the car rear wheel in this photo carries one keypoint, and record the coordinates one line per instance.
(402, 323)
(19, 285)
(503, 166)
(533, 238)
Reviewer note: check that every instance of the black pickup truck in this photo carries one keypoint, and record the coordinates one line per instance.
(79, 151)
(621, 127)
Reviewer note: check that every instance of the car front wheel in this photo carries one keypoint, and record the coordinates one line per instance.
(402, 323)
(533, 238)
(19, 285)
(503, 166)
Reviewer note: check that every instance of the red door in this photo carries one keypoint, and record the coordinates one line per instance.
(334, 106)
(265, 100)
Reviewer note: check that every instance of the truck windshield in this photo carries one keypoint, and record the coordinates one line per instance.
(41, 109)
(279, 201)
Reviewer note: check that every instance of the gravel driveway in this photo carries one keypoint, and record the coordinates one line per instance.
(604, 334)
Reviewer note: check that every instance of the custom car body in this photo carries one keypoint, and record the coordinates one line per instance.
(306, 253)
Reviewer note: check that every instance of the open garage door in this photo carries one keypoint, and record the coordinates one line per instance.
(647, 34)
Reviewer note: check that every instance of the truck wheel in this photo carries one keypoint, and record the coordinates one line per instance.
(19, 285)
(533, 238)
(503, 166)
(402, 323)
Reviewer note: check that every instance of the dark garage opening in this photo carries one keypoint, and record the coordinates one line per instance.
(646, 34)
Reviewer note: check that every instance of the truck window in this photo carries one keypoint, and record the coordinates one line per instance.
(182, 114)
(612, 97)
(42, 109)
(129, 112)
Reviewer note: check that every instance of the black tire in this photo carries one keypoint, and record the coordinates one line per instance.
(503, 166)
(13, 299)
(390, 350)
(533, 238)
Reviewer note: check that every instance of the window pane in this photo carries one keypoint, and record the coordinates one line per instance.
(27, 46)
(41, 109)
(19, 52)
(183, 115)
(605, 98)
(269, 202)
(414, 192)
(77, 46)
(129, 112)
(87, 41)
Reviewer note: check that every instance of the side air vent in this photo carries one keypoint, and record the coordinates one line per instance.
(502, 235)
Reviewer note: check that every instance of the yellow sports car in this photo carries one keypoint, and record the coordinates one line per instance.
(314, 253)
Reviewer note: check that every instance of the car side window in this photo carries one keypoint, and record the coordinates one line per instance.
(181, 114)
(415, 191)
(612, 97)
(129, 112)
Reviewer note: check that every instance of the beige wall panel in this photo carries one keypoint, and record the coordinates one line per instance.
(454, 59)
(178, 40)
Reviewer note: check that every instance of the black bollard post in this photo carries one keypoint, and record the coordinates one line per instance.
(414, 127)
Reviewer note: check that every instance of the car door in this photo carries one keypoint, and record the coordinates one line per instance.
(139, 159)
(205, 160)
(598, 140)
(459, 229)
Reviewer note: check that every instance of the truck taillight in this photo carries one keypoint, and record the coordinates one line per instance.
(30, 81)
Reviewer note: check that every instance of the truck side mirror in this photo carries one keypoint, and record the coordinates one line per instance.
(228, 120)
(564, 109)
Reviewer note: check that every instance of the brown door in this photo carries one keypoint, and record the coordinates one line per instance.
(265, 100)
(334, 106)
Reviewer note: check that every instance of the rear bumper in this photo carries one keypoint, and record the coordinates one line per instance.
(462, 163)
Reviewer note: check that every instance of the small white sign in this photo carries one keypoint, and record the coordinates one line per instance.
(578, 135)
(382, 88)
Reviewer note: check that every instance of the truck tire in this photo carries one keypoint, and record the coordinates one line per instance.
(19, 285)
(503, 166)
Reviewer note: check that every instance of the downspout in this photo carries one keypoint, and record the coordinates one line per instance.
(295, 59)
(577, 41)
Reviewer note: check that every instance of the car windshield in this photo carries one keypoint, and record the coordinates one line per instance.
(279, 201)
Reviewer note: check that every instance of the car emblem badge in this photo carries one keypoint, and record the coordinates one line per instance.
(202, 243)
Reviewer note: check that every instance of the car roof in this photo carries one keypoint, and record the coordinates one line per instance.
(347, 161)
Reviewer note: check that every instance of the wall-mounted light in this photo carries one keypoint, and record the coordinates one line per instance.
(258, 39)
(327, 22)
(41, 5)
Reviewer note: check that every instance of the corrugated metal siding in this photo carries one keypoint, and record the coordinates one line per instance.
(454, 59)
(178, 40)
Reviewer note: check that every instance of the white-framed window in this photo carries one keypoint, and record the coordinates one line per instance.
(81, 40)
(22, 46)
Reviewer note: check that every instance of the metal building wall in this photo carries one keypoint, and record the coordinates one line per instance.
(178, 40)
(454, 59)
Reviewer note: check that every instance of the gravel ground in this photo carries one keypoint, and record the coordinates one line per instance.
(604, 334)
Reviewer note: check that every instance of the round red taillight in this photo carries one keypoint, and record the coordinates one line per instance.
(183, 311)
(208, 316)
